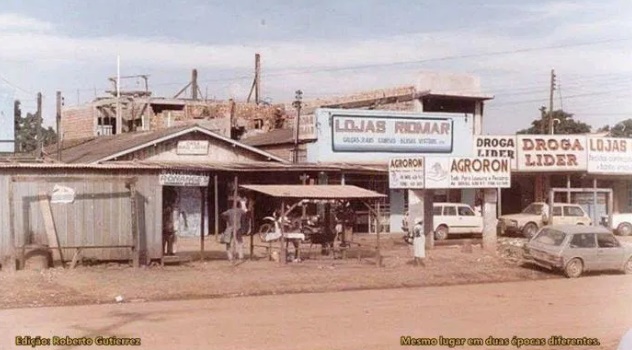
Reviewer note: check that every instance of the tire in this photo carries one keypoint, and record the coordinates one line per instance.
(264, 230)
(574, 268)
(627, 268)
(529, 230)
(624, 229)
(441, 233)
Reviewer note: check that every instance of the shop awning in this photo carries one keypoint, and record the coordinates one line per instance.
(315, 191)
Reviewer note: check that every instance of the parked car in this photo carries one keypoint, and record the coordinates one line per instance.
(532, 218)
(621, 223)
(452, 218)
(575, 249)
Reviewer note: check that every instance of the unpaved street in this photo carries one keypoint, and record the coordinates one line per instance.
(593, 306)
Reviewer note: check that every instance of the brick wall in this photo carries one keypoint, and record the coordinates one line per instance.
(77, 122)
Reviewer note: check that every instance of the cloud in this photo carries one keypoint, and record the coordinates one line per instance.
(16, 22)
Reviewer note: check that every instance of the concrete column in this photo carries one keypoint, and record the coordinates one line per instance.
(429, 218)
(490, 199)
(478, 118)
(420, 204)
(396, 200)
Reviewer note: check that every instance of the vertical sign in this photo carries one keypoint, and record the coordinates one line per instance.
(406, 173)
(496, 147)
(552, 153)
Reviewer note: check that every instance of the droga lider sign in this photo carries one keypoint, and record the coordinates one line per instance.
(552, 153)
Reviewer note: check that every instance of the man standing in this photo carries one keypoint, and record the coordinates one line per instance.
(233, 235)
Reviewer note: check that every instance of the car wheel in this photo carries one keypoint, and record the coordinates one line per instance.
(441, 233)
(574, 268)
(529, 230)
(624, 229)
(627, 268)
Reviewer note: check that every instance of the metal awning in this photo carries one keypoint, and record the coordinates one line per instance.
(315, 191)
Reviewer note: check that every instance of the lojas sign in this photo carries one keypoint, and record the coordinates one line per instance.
(608, 155)
(406, 173)
(384, 134)
(496, 147)
(551, 152)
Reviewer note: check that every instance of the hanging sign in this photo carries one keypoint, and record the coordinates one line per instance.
(496, 147)
(391, 135)
(552, 153)
(406, 173)
(62, 195)
(607, 155)
(453, 172)
(192, 147)
(171, 179)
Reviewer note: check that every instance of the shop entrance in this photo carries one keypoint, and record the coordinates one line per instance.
(596, 202)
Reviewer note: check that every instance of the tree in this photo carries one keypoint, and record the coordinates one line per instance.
(564, 123)
(622, 129)
(26, 131)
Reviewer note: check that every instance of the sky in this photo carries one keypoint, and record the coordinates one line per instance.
(325, 48)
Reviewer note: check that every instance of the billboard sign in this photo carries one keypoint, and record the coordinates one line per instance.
(456, 172)
(607, 155)
(391, 134)
(406, 173)
(552, 153)
(496, 147)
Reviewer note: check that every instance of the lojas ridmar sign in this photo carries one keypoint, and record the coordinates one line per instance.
(552, 152)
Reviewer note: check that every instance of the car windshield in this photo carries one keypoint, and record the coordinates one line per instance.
(535, 209)
(550, 237)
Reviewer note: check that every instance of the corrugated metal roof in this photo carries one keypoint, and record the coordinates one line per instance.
(267, 166)
(274, 137)
(315, 191)
(107, 166)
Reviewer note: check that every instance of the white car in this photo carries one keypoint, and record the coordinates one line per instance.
(455, 218)
(621, 223)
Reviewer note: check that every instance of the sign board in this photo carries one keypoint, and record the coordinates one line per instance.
(171, 179)
(391, 134)
(192, 147)
(62, 195)
(406, 173)
(307, 127)
(454, 172)
(608, 155)
(496, 147)
(552, 153)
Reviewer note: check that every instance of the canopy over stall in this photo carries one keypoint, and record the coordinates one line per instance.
(295, 194)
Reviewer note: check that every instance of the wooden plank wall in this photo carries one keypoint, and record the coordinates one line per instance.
(100, 215)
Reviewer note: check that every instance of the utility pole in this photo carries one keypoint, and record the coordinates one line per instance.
(543, 120)
(119, 117)
(552, 88)
(256, 82)
(194, 84)
(39, 126)
(298, 103)
(58, 119)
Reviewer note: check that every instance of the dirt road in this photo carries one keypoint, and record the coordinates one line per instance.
(594, 306)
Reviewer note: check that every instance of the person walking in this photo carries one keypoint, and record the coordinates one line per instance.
(233, 234)
(419, 243)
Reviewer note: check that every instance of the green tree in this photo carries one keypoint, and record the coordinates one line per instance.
(622, 129)
(26, 131)
(563, 122)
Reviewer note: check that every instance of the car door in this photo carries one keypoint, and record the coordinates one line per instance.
(468, 219)
(574, 215)
(558, 218)
(610, 252)
(584, 246)
(451, 219)
(437, 215)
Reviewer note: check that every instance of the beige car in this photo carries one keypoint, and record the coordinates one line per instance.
(532, 218)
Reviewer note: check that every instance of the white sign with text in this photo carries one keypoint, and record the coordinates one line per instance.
(552, 153)
(496, 147)
(454, 172)
(608, 155)
(406, 173)
(192, 147)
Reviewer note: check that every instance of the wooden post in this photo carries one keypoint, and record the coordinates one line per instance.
(135, 236)
(282, 252)
(235, 194)
(594, 211)
(202, 224)
(40, 144)
(216, 207)
(12, 262)
(49, 224)
(257, 76)
(58, 120)
(378, 260)
(251, 212)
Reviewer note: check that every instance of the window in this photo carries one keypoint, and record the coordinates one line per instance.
(449, 211)
(436, 210)
(258, 123)
(573, 211)
(465, 211)
(607, 240)
(550, 237)
(557, 211)
(583, 240)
